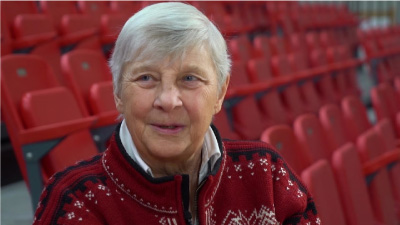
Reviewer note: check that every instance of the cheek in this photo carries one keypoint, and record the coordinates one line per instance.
(201, 106)
(137, 103)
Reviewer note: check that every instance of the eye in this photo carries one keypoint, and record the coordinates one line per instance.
(144, 78)
(190, 78)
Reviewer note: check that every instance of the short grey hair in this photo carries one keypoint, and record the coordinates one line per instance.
(168, 30)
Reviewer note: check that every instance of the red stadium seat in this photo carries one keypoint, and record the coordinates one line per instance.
(284, 140)
(125, 7)
(325, 84)
(385, 130)
(298, 62)
(339, 78)
(320, 181)
(247, 119)
(72, 26)
(334, 126)
(83, 70)
(277, 45)
(57, 10)
(224, 126)
(11, 9)
(290, 93)
(269, 101)
(240, 48)
(352, 186)
(355, 116)
(64, 108)
(32, 29)
(239, 75)
(370, 147)
(386, 104)
(6, 39)
(21, 75)
(310, 134)
(350, 73)
(261, 47)
(50, 52)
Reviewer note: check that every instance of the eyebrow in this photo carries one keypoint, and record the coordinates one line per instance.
(143, 68)
(195, 69)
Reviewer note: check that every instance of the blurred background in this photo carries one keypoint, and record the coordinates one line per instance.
(297, 68)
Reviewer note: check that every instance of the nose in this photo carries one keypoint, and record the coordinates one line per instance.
(168, 98)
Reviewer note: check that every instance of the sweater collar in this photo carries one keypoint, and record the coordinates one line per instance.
(210, 151)
(158, 194)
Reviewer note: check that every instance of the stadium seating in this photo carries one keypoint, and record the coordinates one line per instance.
(284, 140)
(355, 116)
(370, 147)
(89, 77)
(352, 186)
(32, 133)
(310, 134)
(320, 180)
(293, 65)
(334, 126)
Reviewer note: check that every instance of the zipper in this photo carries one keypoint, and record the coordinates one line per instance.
(196, 199)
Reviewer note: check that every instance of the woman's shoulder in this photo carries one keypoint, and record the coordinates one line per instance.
(64, 184)
(245, 147)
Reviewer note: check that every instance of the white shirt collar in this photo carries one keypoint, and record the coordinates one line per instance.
(210, 151)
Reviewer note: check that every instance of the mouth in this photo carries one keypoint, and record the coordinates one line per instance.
(168, 129)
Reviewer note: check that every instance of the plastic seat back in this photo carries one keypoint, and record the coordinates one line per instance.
(325, 85)
(82, 69)
(269, 102)
(298, 62)
(224, 126)
(320, 181)
(290, 94)
(385, 130)
(261, 47)
(125, 7)
(355, 116)
(310, 134)
(11, 9)
(50, 52)
(333, 124)
(21, 74)
(57, 10)
(239, 74)
(30, 30)
(94, 8)
(240, 48)
(284, 140)
(369, 146)
(259, 70)
(76, 146)
(101, 97)
(277, 45)
(352, 186)
(247, 119)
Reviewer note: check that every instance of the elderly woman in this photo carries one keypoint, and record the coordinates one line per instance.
(165, 163)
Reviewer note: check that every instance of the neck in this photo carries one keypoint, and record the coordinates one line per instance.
(190, 167)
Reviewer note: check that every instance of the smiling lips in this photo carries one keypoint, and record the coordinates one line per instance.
(168, 129)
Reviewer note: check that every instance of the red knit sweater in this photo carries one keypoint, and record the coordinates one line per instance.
(250, 184)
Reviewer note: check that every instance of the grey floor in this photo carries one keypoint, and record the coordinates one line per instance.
(16, 206)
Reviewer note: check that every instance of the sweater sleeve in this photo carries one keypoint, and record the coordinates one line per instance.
(58, 207)
(293, 202)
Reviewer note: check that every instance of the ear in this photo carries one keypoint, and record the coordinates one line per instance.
(119, 105)
(221, 95)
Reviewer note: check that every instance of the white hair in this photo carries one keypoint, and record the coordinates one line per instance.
(168, 30)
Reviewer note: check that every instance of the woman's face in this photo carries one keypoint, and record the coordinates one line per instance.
(168, 105)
